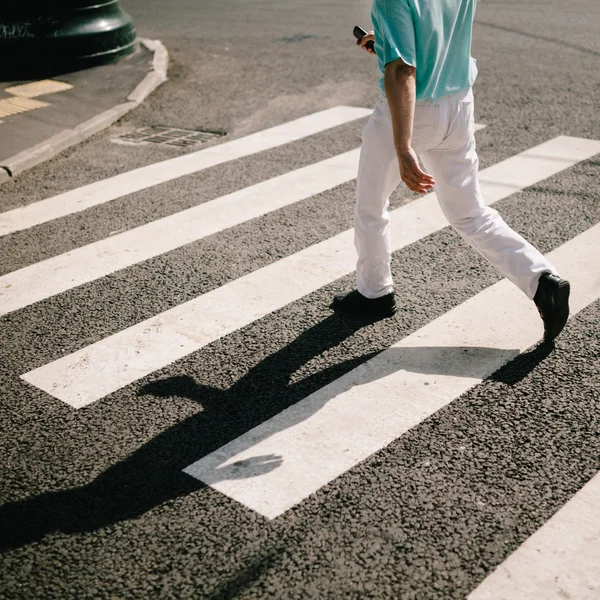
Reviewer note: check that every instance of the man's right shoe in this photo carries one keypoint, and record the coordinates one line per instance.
(552, 301)
(355, 303)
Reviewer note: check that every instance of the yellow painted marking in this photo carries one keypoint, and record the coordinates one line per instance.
(14, 106)
(38, 88)
(22, 100)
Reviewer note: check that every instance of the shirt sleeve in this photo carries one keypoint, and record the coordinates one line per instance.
(397, 27)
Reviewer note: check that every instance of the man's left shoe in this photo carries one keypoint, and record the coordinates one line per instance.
(355, 303)
(552, 301)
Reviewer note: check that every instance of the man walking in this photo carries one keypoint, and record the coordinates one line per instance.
(423, 49)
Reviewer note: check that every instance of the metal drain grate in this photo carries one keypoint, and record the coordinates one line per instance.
(170, 136)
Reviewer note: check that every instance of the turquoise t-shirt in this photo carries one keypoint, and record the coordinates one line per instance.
(434, 36)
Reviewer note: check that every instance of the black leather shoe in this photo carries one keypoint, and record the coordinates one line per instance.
(552, 301)
(354, 302)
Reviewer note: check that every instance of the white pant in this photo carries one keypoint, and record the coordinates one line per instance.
(443, 137)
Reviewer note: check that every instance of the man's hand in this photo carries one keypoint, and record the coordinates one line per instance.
(370, 37)
(412, 175)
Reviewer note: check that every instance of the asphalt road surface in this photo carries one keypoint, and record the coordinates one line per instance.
(182, 414)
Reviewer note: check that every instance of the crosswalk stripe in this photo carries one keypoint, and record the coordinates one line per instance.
(560, 560)
(335, 428)
(139, 179)
(89, 374)
(66, 271)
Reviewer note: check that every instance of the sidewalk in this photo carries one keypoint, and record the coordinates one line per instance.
(40, 119)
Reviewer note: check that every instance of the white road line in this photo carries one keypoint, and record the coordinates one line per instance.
(145, 177)
(66, 271)
(332, 430)
(560, 560)
(120, 359)
(58, 274)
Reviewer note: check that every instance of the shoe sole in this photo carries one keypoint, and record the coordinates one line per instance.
(560, 300)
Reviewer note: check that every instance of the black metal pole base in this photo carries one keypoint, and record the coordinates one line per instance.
(72, 35)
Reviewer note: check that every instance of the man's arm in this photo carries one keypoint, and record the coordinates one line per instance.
(400, 88)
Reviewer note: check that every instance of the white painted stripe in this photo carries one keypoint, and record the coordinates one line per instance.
(66, 271)
(120, 359)
(145, 177)
(560, 560)
(319, 438)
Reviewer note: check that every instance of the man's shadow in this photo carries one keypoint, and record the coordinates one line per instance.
(154, 474)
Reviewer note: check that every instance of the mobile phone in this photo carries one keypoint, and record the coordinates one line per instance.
(359, 33)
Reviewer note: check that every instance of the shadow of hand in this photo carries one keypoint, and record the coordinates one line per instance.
(241, 469)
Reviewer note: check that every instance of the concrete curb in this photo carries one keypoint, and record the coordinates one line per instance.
(69, 137)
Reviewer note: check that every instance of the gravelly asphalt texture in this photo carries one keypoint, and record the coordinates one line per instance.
(94, 503)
